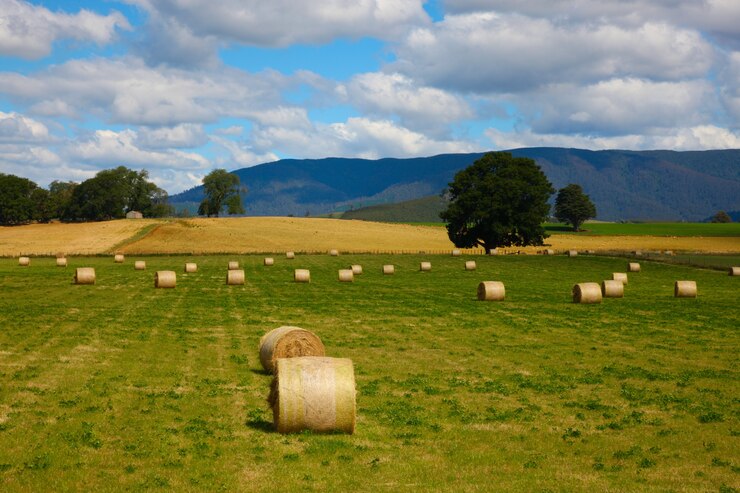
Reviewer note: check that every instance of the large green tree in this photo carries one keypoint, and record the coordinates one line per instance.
(22, 201)
(498, 201)
(573, 207)
(60, 197)
(222, 189)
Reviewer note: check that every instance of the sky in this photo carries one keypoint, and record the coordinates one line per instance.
(181, 87)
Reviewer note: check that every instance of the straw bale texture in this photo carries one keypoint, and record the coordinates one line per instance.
(633, 267)
(425, 266)
(356, 269)
(491, 291)
(313, 393)
(302, 275)
(734, 271)
(455, 252)
(61, 262)
(84, 275)
(620, 276)
(288, 342)
(587, 292)
(389, 269)
(290, 255)
(268, 261)
(572, 253)
(24, 261)
(470, 265)
(333, 252)
(235, 277)
(139, 265)
(684, 289)
(612, 288)
(233, 265)
(118, 258)
(346, 275)
(165, 279)
(191, 267)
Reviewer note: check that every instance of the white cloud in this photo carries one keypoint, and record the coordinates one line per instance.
(17, 129)
(28, 31)
(495, 53)
(187, 135)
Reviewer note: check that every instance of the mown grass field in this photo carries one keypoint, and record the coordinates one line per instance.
(119, 386)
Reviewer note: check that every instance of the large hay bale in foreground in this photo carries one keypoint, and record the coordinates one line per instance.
(685, 289)
(389, 269)
(288, 342)
(165, 279)
(268, 261)
(456, 252)
(24, 261)
(235, 277)
(425, 267)
(620, 276)
(233, 265)
(734, 271)
(633, 267)
(470, 265)
(118, 258)
(302, 275)
(313, 393)
(491, 291)
(586, 293)
(356, 269)
(290, 255)
(346, 275)
(612, 288)
(333, 252)
(139, 265)
(191, 267)
(61, 262)
(84, 275)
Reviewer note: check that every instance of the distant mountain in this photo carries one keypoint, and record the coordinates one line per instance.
(624, 185)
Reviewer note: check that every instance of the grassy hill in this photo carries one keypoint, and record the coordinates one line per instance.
(423, 210)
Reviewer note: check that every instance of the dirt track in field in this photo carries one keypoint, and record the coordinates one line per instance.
(280, 234)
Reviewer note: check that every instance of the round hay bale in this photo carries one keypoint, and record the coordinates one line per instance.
(425, 267)
(165, 279)
(288, 342)
(333, 252)
(668, 252)
(139, 265)
(233, 265)
(572, 253)
(313, 393)
(491, 291)
(493, 251)
(734, 271)
(389, 269)
(24, 261)
(356, 269)
(61, 262)
(84, 275)
(268, 261)
(290, 255)
(235, 277)
(191, 267)
(302, 275)
(455, 252)
(470, 265)
(587, 292)
(684, 289)
(346, 275)
(633, 267)
(637, 253)
(620, 276)
(548, 251)
(612, 289)
(118, 258)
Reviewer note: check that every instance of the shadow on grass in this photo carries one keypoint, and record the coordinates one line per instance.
(261, 425)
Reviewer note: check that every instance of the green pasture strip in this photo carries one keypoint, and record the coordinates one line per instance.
(142, 233)
(649, 229)
(120, 386)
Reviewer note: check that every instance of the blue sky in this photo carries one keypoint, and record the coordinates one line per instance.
(182, 87)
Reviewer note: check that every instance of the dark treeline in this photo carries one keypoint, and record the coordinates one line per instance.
(109, 195)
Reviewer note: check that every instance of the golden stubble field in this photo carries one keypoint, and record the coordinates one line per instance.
(280, 234)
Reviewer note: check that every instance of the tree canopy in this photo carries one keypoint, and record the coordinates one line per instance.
(22, 201)
(573, 207)
(721, 217)
(498, 201)
(222, 190)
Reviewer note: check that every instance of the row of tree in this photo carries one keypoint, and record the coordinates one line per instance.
(502, 201)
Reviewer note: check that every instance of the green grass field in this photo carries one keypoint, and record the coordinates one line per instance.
(119, 386)
(639, 229)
